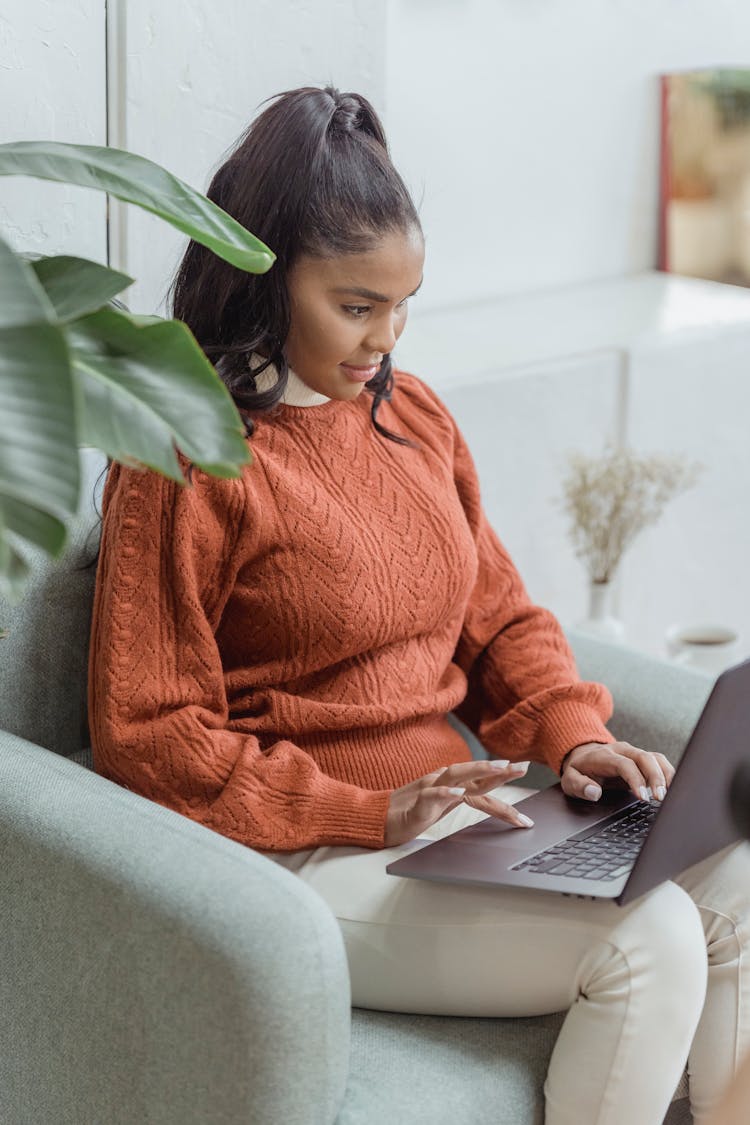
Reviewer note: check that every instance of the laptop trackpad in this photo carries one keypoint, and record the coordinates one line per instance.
(555, 817)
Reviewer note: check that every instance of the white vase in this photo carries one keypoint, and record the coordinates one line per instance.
(601, 621)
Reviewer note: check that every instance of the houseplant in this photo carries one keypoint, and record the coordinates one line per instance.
(77, 369)
(609, 500)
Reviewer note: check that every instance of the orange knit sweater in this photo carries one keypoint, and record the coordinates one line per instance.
(271, 655)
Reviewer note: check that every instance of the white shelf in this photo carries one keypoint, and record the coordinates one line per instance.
(648, 309)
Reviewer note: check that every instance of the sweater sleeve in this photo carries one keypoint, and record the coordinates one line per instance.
(158, 709)
(525, 699)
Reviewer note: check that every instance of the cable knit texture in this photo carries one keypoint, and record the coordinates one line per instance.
(272, 655)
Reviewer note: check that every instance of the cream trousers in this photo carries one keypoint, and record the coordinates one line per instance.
(647, 987)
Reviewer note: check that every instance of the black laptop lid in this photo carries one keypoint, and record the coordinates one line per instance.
(699, 792)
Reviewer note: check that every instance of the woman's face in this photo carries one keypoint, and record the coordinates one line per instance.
(347, 312)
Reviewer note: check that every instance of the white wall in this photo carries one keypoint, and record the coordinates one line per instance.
(519, 427)
(196, 74)
(185, 80)
(530, 128)
(52, 87)
(694, 565)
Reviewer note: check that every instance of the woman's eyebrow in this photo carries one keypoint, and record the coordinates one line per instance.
(369, 294)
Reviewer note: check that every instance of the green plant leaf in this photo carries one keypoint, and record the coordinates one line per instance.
(142, 319)
(76, 286)
(39, 466)
(14, 570)
(22, 296)
(135, 179)
(34, 525)
(146, 388)
(38, 454)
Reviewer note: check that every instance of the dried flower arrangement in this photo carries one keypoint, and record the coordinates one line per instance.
(611, 498)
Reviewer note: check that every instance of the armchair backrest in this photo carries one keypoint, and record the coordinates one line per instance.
(44, 657)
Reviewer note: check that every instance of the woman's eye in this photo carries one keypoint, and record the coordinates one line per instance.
(356, 310)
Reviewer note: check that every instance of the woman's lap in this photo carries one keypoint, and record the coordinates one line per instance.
(447, 949)
(664, 977)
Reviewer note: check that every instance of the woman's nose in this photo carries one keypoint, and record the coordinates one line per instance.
(383, 337)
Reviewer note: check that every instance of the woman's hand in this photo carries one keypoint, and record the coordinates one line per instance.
(421, 803)
(587, 766)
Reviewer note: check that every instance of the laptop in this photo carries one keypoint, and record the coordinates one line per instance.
(618, 847)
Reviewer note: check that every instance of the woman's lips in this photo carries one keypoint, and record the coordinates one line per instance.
(360, 374)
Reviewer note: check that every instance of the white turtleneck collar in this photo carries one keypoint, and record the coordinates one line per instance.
(296, 393)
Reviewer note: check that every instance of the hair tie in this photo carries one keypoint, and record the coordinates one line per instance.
(346, 116)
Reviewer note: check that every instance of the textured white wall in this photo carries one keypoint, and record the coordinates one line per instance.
(196, 74)
(191, 77)
(52, 87)
(530, 129)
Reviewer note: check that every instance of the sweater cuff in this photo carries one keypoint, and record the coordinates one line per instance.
(345, 814)
(565, 725)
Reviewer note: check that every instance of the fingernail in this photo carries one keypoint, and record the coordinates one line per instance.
(500, 763)
(457, 792)
(645, 793)
(660, 792)
(520, 767)
(592, 792)
(525, 820)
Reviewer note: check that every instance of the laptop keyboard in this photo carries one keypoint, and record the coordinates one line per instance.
(602, 852)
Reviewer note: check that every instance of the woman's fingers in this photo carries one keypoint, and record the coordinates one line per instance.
(577, 784)
(411, 810)
(499, 809)
(657, 770)
(666, 768)
(487, 782)
(646, 774)
(584, 778)
(653, 773)
(481, 776)
(420, 803)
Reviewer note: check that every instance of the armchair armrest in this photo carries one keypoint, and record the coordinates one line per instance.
(153, 970)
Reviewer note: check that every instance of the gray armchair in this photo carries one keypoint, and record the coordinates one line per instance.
(153, 972)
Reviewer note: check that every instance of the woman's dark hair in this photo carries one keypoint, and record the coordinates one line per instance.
(311, 175)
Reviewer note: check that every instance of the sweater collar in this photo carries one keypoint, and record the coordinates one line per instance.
(296, 393)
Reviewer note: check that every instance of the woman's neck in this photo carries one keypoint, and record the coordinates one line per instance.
(296, 393)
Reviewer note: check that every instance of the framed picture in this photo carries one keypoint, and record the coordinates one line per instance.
(704, 228)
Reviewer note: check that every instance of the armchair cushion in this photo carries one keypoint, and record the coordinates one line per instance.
(447, 1070)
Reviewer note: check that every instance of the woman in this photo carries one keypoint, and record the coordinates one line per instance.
(275, 656)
